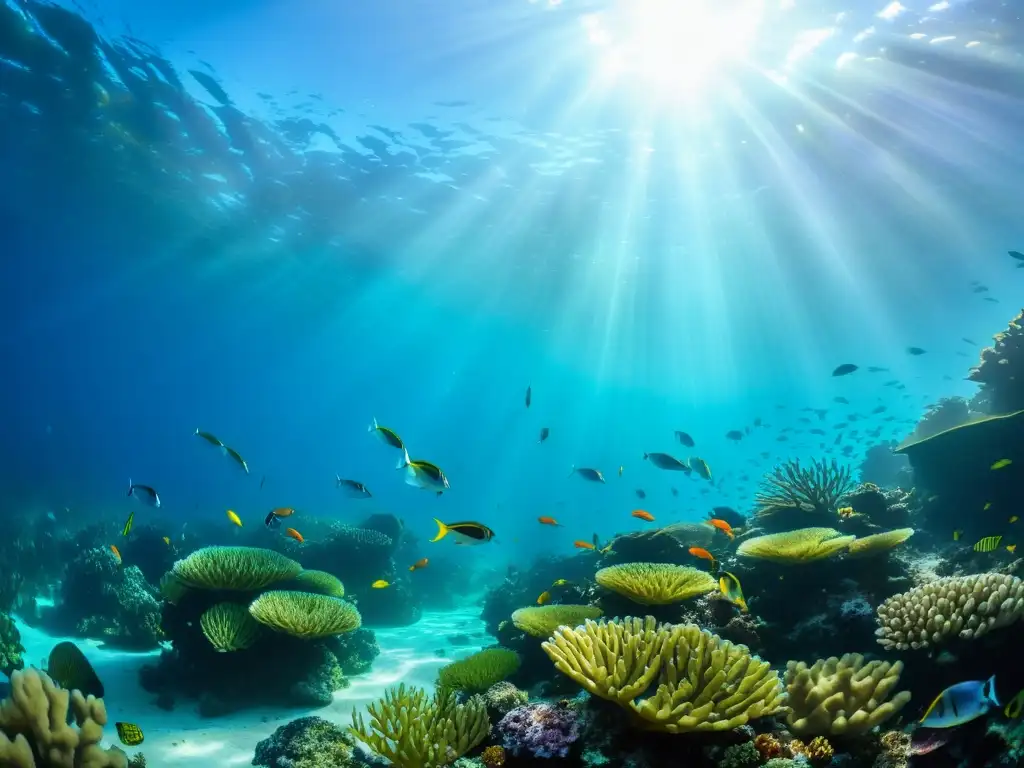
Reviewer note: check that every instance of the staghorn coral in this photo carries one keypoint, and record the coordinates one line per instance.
(304, 614)
(539, 730)
(656, 583)
(413, 730)
(229, 627)
(704, 683)
(503, 697)
(964, 606)
(1000, 371)
(842, 696)
(879, 543)
(321, 582)
(478, 672)
(36, 716)
(244, 569)
(543, 620)
(804, 545)
(817, 488)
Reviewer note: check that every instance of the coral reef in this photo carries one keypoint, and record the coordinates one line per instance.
(1000, 371)
(543, 620)
(478, 672)
(309, 742)
(805, 545)
(229, 627)
(305, 614)
(667, 544)
(656, 583)
(243, 569)
(885, 508)
(793, 495)
(11, 649)
(879, 543)
(539, 730)
(501, 698)
(883, 468)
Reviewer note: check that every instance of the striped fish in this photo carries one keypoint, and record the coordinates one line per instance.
(988, 544)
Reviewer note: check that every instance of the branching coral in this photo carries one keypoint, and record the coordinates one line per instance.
(542, 620)
(842, 696)
(964, 606)
(656, 583)
(478, 672)
(817, 488)
(36, 716)
(245, 569)
(703, 683)
(304, 614)
(413, 730)
(795, 547)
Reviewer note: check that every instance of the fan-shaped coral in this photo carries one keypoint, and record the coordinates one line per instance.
(656, 583)
(542, 620)
(478, 672)
(305, 614)
(815, 489)
(229, 627)
(842, 697)
(322, 582)
(703, 683)
(804, 545)
(879, 543)
(245, 569)
(964, 606)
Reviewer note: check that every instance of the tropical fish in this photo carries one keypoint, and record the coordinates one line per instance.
(664, 461)
(117, 553)
(641, 493)
(700, 467)
(167, 540)
(294, 534)
(352, 488)
(282, 511)
(238, 458)
(559, 583)
(1011, 548)
(723, 526)
(734, 435)
(845, 369)
(730, 588)
(583, 545)
(1002, 463)
(423, 474)
(129, 734)
(1017, 255)
(1016, 705)
(380, 584)
(1013, 519)
(685, 439)
(128, 524)
(703, 554)
(386, 436)
(544, 432)
(957, 534)
(421, 563)
(529, 396)
(211, 439)
(961, 703)
(144, 493)
(234, 518)
(544, 598)
(464, 533)
(68, 667)
(590, 475)
(988, 504)
(622, 469)
(924, 740)
(675, 491)
(846, 512)
(262, 481)
(988, 544)
(841, 400)
(916, 351)
(548, 521)
(639, 513)
(271, 520)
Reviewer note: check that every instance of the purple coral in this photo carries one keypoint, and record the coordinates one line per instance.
(539, 730)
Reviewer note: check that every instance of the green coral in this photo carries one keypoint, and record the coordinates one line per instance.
(815, 489)
(229, 627)
(743, 755)
(304, 614)
(243, 569)
(309, 742)
(477, 673)
(11, 649)
(322, 582)
(656, 583)
(542, 620)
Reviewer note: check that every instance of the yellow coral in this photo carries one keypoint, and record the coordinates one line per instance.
(478, 672)
(842, 696)
(703, 683)
(804, 545)
(879, 543)
(493, 756)
(414, 731)
(321, 581)
(819, 751)
(542, 620)
(305, 614)
(245, 569)
(229, 627)
(656, 583)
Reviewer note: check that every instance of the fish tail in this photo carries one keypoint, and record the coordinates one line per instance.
(373, 425)
(646, 456)
(442, 530)
(404, 461)
(572, 471)
(196, 432)
(130, 486)
(990, 691)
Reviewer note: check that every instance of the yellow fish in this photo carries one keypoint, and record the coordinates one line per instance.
(560, 583)
(957, 534)
(380, 584)
(1002, 463)
(1011, 548)
(129, 734)
(1013, 709)
(544, 599)
(988, 544)
(1013, 519)
(234, 518)
(987, 505)
(167, 540)
(730, 588)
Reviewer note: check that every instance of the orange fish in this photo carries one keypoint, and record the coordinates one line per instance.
(282, 512)
(547, 521)
(723, 526)
(117, 553)
(421, 563)
(583, 545)
(703, 554)
(294, 534)
(643, 515)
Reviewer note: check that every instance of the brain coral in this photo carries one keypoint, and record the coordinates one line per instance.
(965, 606)
(656, 583)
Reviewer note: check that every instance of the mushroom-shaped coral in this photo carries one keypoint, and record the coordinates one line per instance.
(964, 606)
(321, 582)
(229, 627)
(703, 683)
(478, 672)
(413, 730)
(804, 545)
(656, 583)
(542, 620)
(879, 543)
(244, 569)
(842, 697)
(304, 614)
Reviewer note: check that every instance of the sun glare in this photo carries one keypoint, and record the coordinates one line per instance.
(676, 47)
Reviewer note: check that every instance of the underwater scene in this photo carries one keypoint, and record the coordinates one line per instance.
(523, 383)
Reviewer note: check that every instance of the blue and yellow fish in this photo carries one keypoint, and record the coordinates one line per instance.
(961, 703)
(988, 544)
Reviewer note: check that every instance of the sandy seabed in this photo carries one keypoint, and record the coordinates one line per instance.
(182, 738)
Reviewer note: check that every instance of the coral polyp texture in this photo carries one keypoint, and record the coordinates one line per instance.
(229, 627)
(656, 583)
(542, 620)
(842, 696)
(879, 543)
(244, 569)
(816, 489)
(702, 683)
(304, 614)
(480, 671)
(955, 606)
(321, 582)
(804, 545)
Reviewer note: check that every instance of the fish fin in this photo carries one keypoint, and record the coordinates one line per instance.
(404, 461)
(338, 478)
(130, 486)
(442, 531)
(373, 425)
(989, 691)
(196, 432)
(645, 456)
(572, 471)
(931, 707)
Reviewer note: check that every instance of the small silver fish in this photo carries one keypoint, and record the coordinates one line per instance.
(144, 493)
(353, 488)
(664, 461)
(590, 475)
